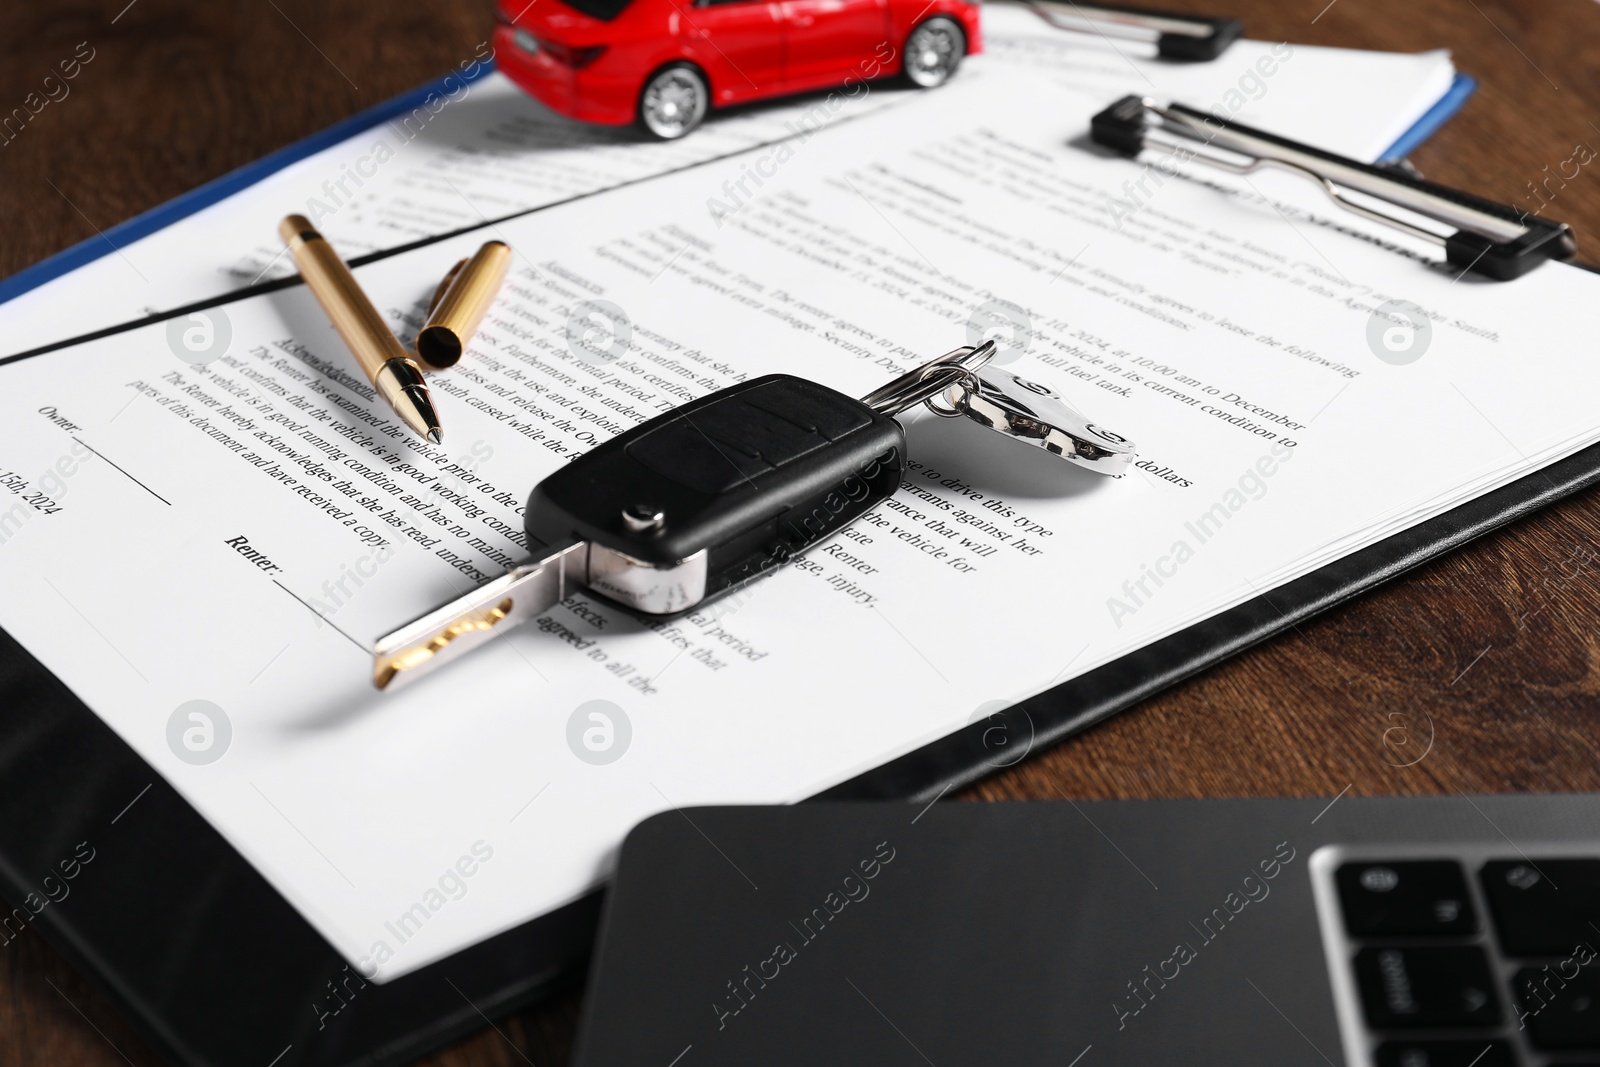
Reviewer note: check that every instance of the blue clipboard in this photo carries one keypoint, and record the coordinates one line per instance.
(219, 189)
(1453, 100)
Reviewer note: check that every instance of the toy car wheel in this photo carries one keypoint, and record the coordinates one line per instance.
(673, 101)
(933, 51)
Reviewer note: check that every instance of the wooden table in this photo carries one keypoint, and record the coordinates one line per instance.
(1491, 651)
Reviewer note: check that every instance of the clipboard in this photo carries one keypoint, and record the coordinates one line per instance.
(218, 189)
(220, 969)
(215, 967)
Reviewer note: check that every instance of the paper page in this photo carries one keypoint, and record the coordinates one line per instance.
(486, 150)
(271, 520)
(1352, 102)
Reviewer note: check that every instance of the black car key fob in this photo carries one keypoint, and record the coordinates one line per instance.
(714, 493)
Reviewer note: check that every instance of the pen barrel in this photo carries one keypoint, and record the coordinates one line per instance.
(468, 291)
(365, 333)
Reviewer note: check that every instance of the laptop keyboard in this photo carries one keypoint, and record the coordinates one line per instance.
(1446, 976)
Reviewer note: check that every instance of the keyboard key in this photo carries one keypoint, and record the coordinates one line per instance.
(1445, 1054)
(1559, 1011)
(1544, 907)
(1412, 987)
(1413, 898)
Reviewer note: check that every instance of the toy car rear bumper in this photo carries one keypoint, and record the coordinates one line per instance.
(590, 95)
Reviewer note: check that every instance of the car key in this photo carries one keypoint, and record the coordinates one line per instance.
(689, 504)
(694, 503)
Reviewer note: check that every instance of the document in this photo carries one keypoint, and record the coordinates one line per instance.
(482, 149)
(271, 519)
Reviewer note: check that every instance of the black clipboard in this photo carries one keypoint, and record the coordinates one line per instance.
(214, 966)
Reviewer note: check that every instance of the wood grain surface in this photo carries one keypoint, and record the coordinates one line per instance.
(1489, 653)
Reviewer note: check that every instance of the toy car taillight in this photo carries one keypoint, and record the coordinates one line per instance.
(568, 56)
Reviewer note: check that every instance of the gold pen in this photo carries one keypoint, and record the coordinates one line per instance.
(459, 304)
(388, 366)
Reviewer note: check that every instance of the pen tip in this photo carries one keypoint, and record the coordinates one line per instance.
(436, 435)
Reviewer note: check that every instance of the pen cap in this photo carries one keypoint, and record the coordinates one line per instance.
(464, 297)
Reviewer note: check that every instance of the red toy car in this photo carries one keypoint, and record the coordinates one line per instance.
(666, 63)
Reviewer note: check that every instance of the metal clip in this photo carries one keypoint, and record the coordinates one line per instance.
(1189, 37)
(1494, 240)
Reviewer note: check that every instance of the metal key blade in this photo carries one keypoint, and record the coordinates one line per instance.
(468, 621)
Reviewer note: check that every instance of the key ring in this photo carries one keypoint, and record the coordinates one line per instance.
(921, 384)
(967, 382)
(944, 378)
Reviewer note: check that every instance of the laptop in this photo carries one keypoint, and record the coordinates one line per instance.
(1401, 932)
